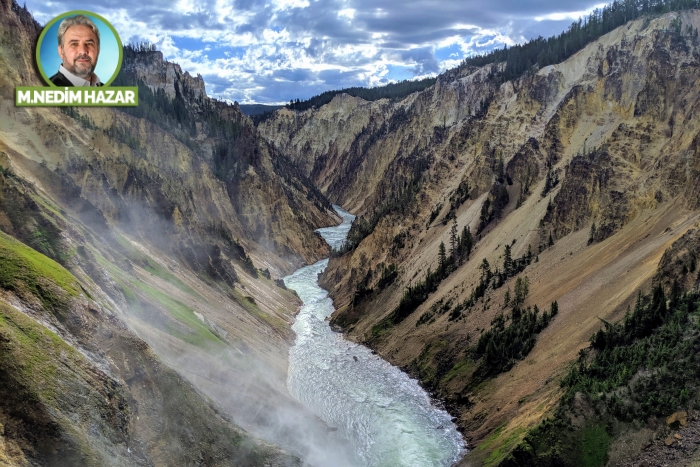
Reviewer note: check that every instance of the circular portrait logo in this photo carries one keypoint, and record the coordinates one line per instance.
(79, 48)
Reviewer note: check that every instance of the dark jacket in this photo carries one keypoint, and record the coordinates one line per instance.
(59, 80)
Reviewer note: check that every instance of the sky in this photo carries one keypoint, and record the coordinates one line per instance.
(271, 51)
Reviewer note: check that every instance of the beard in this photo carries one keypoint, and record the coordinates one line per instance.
(83, 70)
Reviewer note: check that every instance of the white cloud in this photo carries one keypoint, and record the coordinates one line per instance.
(569, 15)
(286, 4)
(269, 51)
(348, 13)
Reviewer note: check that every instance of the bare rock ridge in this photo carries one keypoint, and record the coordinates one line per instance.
(581, 177)
(142, 319)
(158, 73)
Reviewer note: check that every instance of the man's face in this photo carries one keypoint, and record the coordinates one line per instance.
(79, 51)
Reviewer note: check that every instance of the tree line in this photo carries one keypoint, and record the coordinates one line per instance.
(392, 91)
(541, 52)
(646, 365)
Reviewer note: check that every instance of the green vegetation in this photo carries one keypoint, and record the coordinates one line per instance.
(595, 442)
(140, 296)
(413, 296)
(425, 364)
(83, 120)
(7, 172)
(645, 366)
(495, 279)
(493, 205)
(459, 196)
(151, 266)
(23, 269)
(503, 345)
(502, 446)
(180, 115)
(398, 203)
(440, 307)
(32, 349)
(251, 307)
(550, 182)
(34, 226)
(540, 52)
(460, 249)
(388, 275)
(200, 334)
(459, 369)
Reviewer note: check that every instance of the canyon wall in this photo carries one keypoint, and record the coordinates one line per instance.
(586, 172)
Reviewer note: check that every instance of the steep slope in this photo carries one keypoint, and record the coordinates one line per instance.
(586, 171)
(78, 388)
(176, 232)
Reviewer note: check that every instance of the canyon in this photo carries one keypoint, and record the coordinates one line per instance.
(592, 164)
(143, 315)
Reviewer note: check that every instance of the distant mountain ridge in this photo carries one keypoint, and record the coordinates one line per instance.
(256, 109)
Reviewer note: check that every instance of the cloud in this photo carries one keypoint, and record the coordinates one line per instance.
(270, 51)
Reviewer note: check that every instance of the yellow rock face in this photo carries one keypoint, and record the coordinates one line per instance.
(616, 124)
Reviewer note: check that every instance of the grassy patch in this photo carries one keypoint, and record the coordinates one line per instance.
(595, 442)
(152, 266)
(381, 328)
(134, 289)
(488, 442)
(425, 364)
(461, 368)
(32, 350)
(23, 268)
(502, 447)
(201, 334)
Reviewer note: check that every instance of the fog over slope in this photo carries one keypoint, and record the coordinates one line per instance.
(147, 324)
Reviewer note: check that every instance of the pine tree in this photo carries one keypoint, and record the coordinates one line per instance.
(522, 288)
(507, 262)
(593, 234)
(521, 198)
(442, 259)
(453, 240)
(500, 175)
(467, 241)
(485, 270)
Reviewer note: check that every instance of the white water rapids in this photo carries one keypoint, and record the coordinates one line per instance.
(386, 416)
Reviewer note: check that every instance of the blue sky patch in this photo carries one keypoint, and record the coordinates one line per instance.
(452, 52)
(399, 73)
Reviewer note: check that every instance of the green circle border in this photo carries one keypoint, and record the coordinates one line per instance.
(47, 26)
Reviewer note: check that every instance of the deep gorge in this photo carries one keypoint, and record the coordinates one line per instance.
(147, 266)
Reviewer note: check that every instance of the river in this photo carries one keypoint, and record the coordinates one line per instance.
(386, 416)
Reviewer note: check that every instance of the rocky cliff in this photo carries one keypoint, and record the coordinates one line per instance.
(577, 177)
(142, 319)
